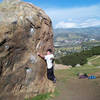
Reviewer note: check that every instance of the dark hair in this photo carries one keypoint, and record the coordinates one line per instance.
(49, 50)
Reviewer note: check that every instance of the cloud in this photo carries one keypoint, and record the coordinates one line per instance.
(65, 25)
(75, 17)
(86, 23)
(90, 23)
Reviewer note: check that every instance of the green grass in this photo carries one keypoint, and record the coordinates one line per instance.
(64, 75)
(41, 97)
(46, 96)
(93, 57)
(96, 62)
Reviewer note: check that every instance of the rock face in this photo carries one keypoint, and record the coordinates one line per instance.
(24, 30)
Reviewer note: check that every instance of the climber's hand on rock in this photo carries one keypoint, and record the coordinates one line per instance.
(38, 54)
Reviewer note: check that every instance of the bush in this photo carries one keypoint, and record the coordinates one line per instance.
(78, 58)
(72, 60)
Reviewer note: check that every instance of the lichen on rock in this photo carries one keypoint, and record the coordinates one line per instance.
(24, 30)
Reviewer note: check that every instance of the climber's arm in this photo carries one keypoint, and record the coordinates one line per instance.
(52, 58)
(40, 55)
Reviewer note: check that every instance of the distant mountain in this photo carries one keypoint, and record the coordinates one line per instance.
(77, 33)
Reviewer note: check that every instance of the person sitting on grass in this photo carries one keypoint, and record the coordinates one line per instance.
(49, 58)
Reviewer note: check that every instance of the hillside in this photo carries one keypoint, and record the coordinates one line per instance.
(78, 35)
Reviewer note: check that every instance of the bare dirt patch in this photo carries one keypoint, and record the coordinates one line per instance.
(82, 89)
(60, 66)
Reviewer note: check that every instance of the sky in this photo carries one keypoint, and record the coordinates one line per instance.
(71, 13)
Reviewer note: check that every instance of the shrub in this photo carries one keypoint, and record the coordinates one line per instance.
(78, 58)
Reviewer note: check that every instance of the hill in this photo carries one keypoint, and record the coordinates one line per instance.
(78, 35)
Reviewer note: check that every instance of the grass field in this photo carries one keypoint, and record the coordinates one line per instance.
(72, 73)
(95, 60)
(41, 97)
(64, 75)
(46, 96)
(69, 85)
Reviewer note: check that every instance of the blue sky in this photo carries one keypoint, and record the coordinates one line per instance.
(63, 3)
(71, 13)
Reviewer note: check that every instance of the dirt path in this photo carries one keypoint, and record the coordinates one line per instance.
(60, 66)
(79, 89)
(95, 58)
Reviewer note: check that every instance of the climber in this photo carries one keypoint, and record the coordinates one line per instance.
(49, 58)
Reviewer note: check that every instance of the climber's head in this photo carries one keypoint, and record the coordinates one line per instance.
(49, 51)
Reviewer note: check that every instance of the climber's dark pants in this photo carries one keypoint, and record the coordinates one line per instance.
(50, 74)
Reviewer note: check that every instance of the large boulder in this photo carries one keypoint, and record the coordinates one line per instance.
(24, 30)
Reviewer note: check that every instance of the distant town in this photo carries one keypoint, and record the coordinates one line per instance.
(67, 41)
